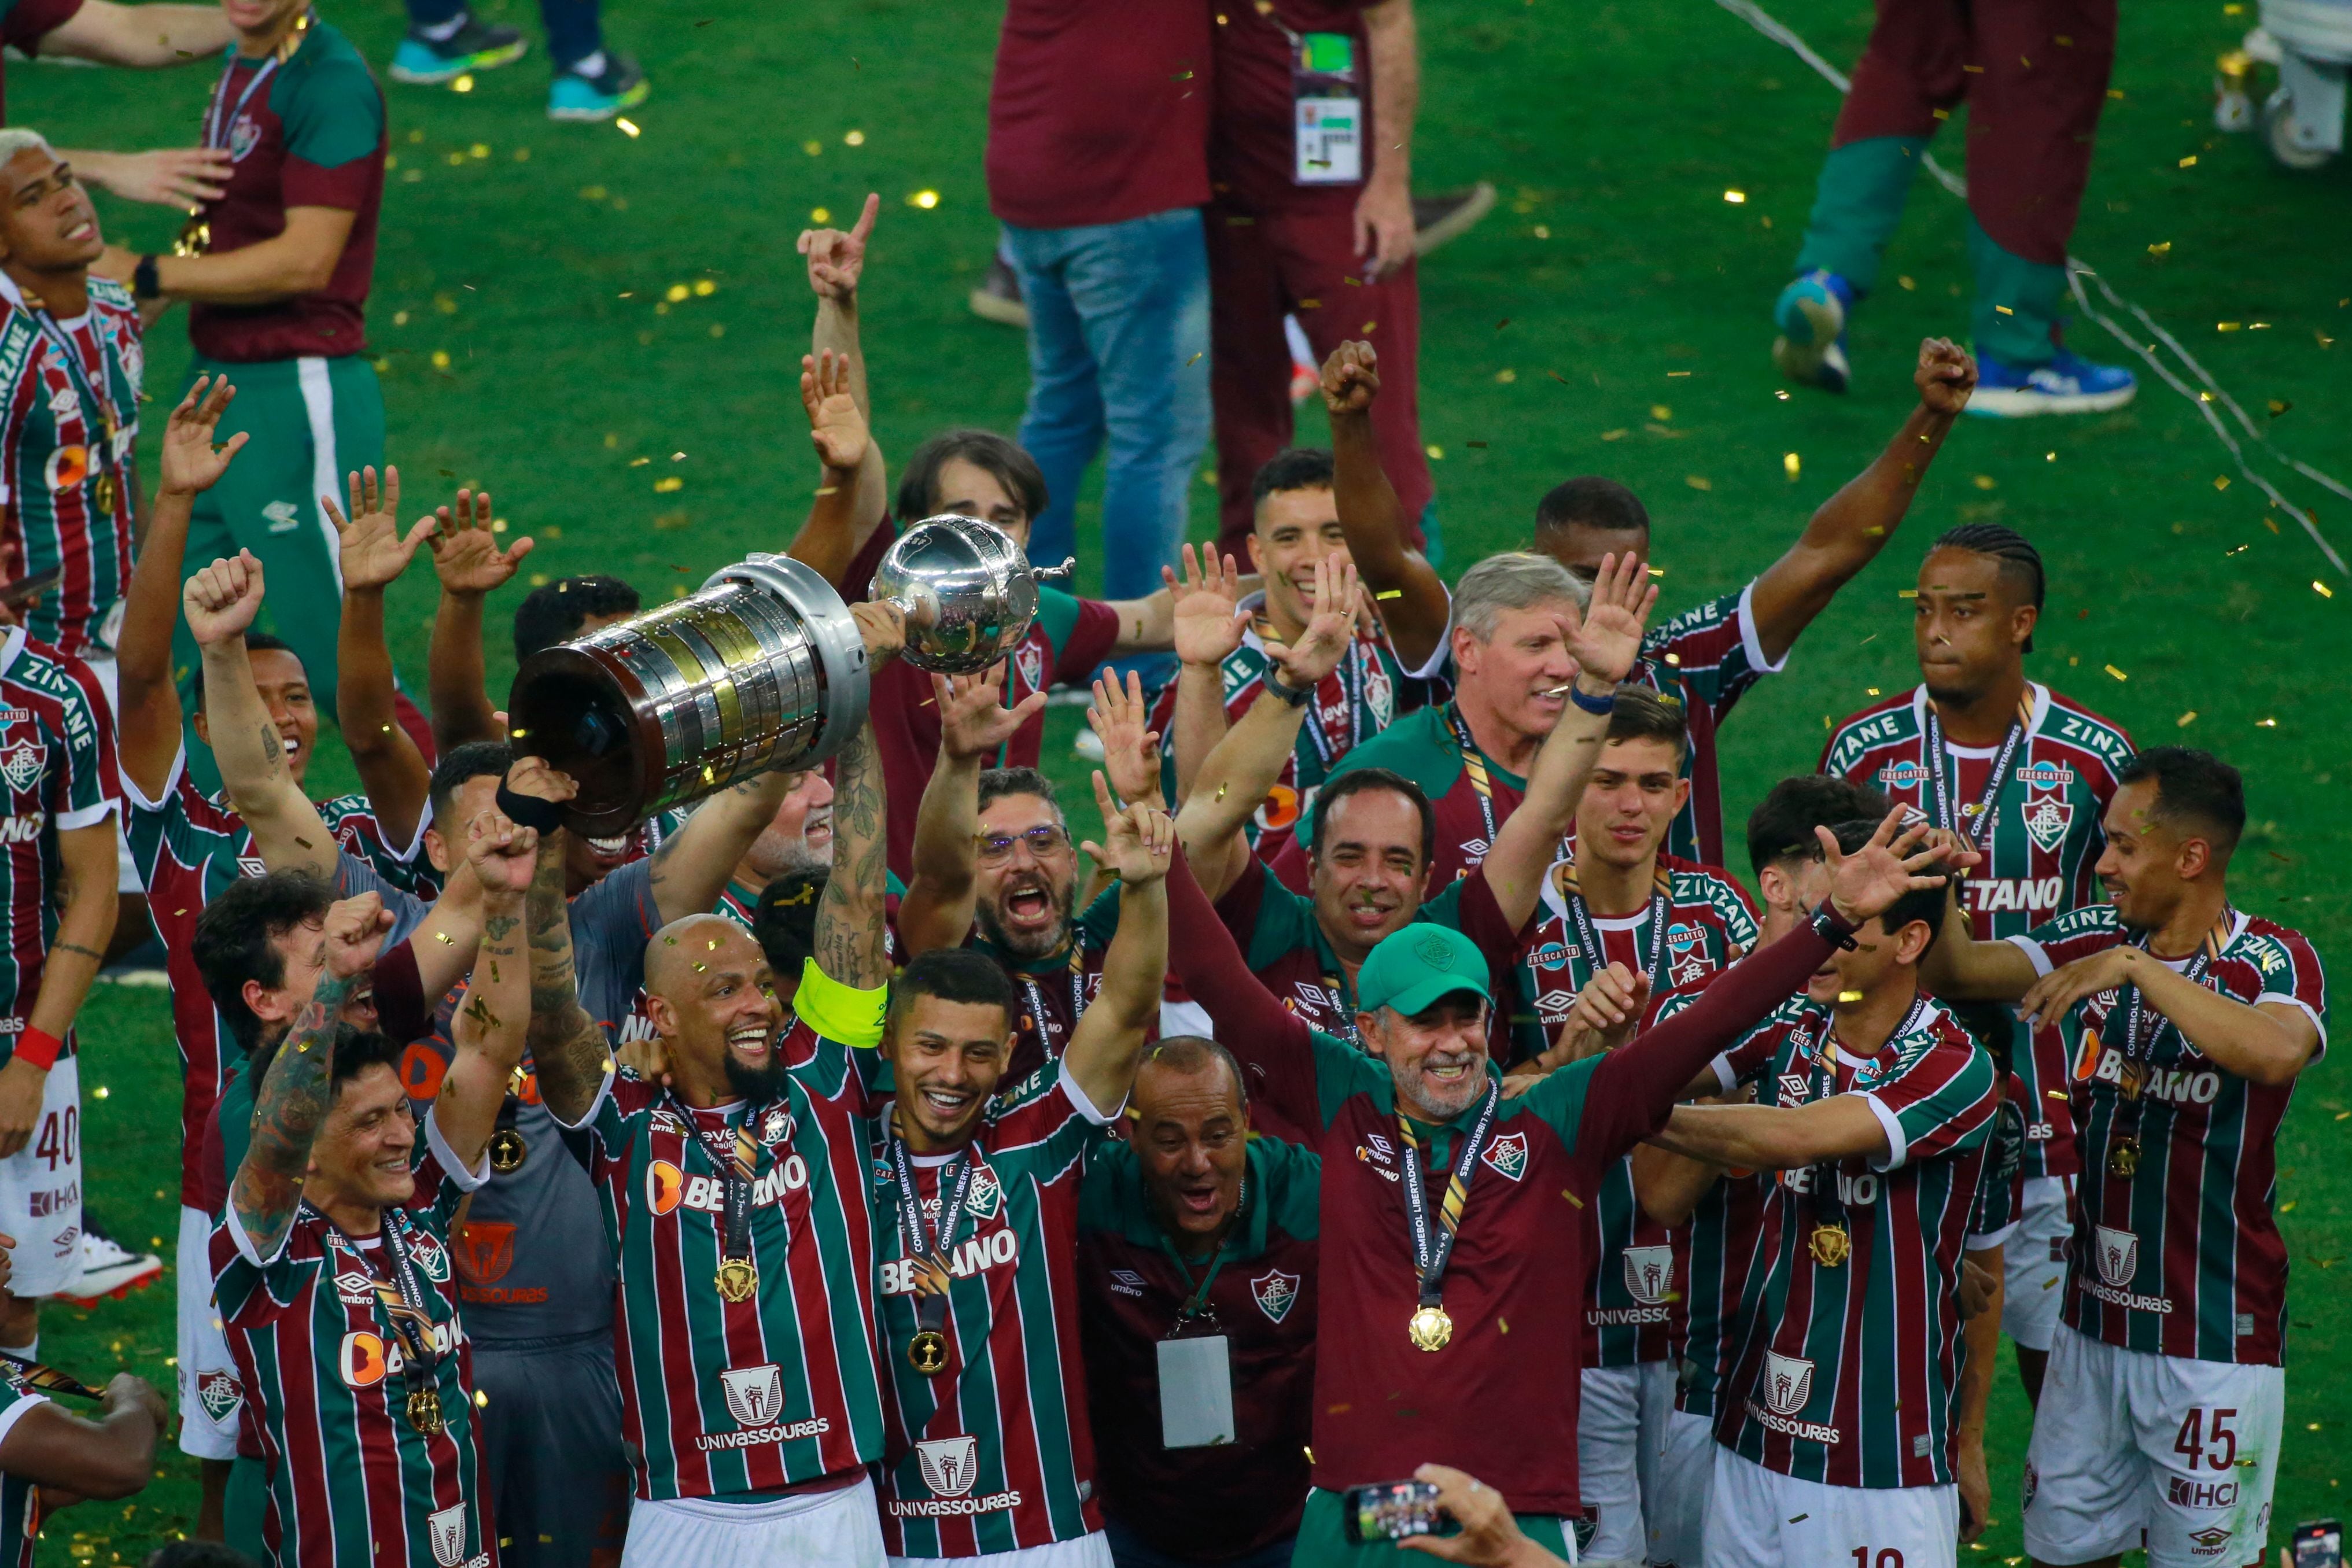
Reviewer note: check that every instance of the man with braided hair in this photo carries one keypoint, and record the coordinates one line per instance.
(2025, 776)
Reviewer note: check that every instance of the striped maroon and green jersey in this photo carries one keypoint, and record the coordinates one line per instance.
(1053, 992)
(70, 393)
(20, 1508)
(1635, 1305)
(1705, 658)
(2183, 1257)
(1849, 1374)
(1352, 704)
(2042, 848)
(1714, 1251)
(348, 1481)
(996, 1452)
(188, 847)
(57, 774)
(722, 1397)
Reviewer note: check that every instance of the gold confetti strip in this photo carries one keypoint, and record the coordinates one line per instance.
(629, 128)
(1389, 593)
(1791, 465)
(2185, 720)
(2265, 723)
(2322, 589)
(2117, 674)
(1849, 996)
(1735, 197)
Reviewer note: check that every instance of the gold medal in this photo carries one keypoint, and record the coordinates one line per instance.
(103, 492)
(2123, 1157)
(738, 1279)
(425, 1411)
(507, 1151)
(1831, 1245)
(1430, 1329)
(927, 1353)
(195, 237)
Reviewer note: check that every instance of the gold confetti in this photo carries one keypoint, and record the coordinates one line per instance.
(1849, 996)
(1906, 593)
(2163, 247)
(1986, 481)
(463, 84)
(704, 288)
(1735, 197)
(1791, 465)
(926, 200)
(2265, 723)
(676, 293)
(1618, 435)
(2322, 589)
(630, 129)
(2222, 481)
(853, 139)
(1506, 375)
(669, 483)
(1436, 452)
(2117, 674)
(2055, 1093)
(1389, 593)
(1697, 483)
(2003, 310)
(1661, 412)
(820, 214)
(2189, 161)
(2279, 406)
(1572, 1198)
(440, 359)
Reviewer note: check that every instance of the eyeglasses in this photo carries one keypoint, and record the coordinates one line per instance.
(1043, 841)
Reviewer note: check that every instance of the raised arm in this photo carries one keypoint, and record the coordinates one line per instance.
(1961, 968)
(1406, 589)
(293, 1095)
(147, 700)
(1109, 1041)
(374, 553)
(935, 911)
(471, 565)
(852, 489)
(1604, 640)
(852, 944)
(1852, 527)
(489, 1030)
(287, 829)
(1207, 628)
(568, 1049)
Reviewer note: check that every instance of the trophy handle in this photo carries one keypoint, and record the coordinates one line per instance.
(1056, 576)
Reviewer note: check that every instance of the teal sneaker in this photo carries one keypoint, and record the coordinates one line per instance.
(619, 86)
(476, 46)
(1811, 314)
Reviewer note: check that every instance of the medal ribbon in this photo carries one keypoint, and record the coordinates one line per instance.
(1474, 763)
(1587, 936)
(1330, 747)
(402, 1299)
(78, 372)
(2137, 1054)
(1820, 1077)
(1434, 1246)
(1077, 977)
(736, 1160)
(216, 125)
(916, 1236)
(49, 1379)
(1974, 829)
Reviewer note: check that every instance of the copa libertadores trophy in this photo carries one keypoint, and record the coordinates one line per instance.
(763, 668)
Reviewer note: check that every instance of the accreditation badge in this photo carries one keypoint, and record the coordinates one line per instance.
(1196, 1391)
(1327, 107)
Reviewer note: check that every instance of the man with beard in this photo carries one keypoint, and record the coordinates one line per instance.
(797, 839)
(988, 1449)
(1448, 1302)
(2024, 775)
(1190, 1228)
(1371, 829)
(733, 1185)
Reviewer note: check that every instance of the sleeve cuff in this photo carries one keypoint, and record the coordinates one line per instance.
(87, 817)
(845, 1013)
(1898, 1143)
(595, 1105)
(416, 839)
(1085, 1106)
(1748, 642)
(452, 1167)
(1985, 1241)
(1435, 663)
(246, 1248)
(15, 1411)
(2283, 999)
(1725, 1079)
(2034, 953)
(138, 797)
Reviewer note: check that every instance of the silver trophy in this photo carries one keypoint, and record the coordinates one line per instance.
(969, 592)
(763, 668)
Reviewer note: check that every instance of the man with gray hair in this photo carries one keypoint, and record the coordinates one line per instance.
(1514, 675)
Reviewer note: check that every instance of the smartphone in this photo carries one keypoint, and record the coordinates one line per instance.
(2318, 1544)
(1393, 1510)
(15, 593)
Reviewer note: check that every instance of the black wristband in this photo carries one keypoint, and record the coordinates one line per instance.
(530, 810)
(144, 285)
(1831, 927)
(1296, 697)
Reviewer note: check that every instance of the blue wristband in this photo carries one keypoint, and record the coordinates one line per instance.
(1604, 706)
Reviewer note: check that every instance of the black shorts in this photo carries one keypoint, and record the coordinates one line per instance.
(560, 1475)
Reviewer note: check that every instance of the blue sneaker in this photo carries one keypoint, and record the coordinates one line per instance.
(1810, 314)
(619, 86)
(476, 46)
(2069, 383)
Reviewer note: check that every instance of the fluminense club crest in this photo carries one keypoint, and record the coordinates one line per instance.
(1788, 1383)
(2047, 818)
(2118, 1256)
(219, 1394)
(1650, 1274)
(22, 763)
(1276, 1293)
(755, 1395)
(986, 1197)
(1508, 1152)
(949, 1465)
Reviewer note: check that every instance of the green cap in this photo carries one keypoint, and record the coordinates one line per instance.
(1414, 966)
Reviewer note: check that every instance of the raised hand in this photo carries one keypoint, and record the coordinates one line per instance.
(1946, 375)
(836, 429)
(974, 719)
(1137, 840)
(191, 463)
(883, 627)
(465, 552)
(1866, 882)
(1607, 639)
(2048, 1000)
(373, 549)
(1208, 627)
(1351, 379)
(836, 259)
(503, 856)
(221, 600)
(1338, 597)
(532, 775)
(1130, 750)
(356, 929)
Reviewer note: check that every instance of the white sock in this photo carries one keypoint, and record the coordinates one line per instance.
(442, 32)
(589, 66)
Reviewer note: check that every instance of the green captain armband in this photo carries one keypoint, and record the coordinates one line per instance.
(837, 1011)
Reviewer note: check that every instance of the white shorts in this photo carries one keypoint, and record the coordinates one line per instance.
(2034, 1263)
(1086, 1551)
(1619, 1424)
(40, 1191)
(1762, 1519)
(827, 1530)
(211, 1397)
(1675, 1508)
(2114, 1455)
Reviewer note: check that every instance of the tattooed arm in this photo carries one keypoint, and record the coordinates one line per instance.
(488, 1029)
(851, 945)
(220, 601)
(568, 1049)
(294, 1093)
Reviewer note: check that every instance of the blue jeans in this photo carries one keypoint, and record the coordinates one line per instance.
(1119, 356)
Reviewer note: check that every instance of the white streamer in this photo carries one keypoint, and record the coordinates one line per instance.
(2202, 397)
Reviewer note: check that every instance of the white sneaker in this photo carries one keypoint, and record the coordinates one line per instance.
(108, 1270)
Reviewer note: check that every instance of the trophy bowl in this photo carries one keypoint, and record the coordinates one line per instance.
(969, 592)
(763, 668)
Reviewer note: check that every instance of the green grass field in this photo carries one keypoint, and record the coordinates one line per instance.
(1609, 317)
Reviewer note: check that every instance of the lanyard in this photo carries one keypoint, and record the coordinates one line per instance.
(1974, 829)
(1474, 763)
(2139, 1053)
(1196, 1306)
(402, 1300)
(1821, 1078)
(736, 1160)
(216, 124)
(1077, 979)
(1587, 936)
(923, 1246)
(1335, 981)
(78, 372)
(1433, 1246)
(1350, 676)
